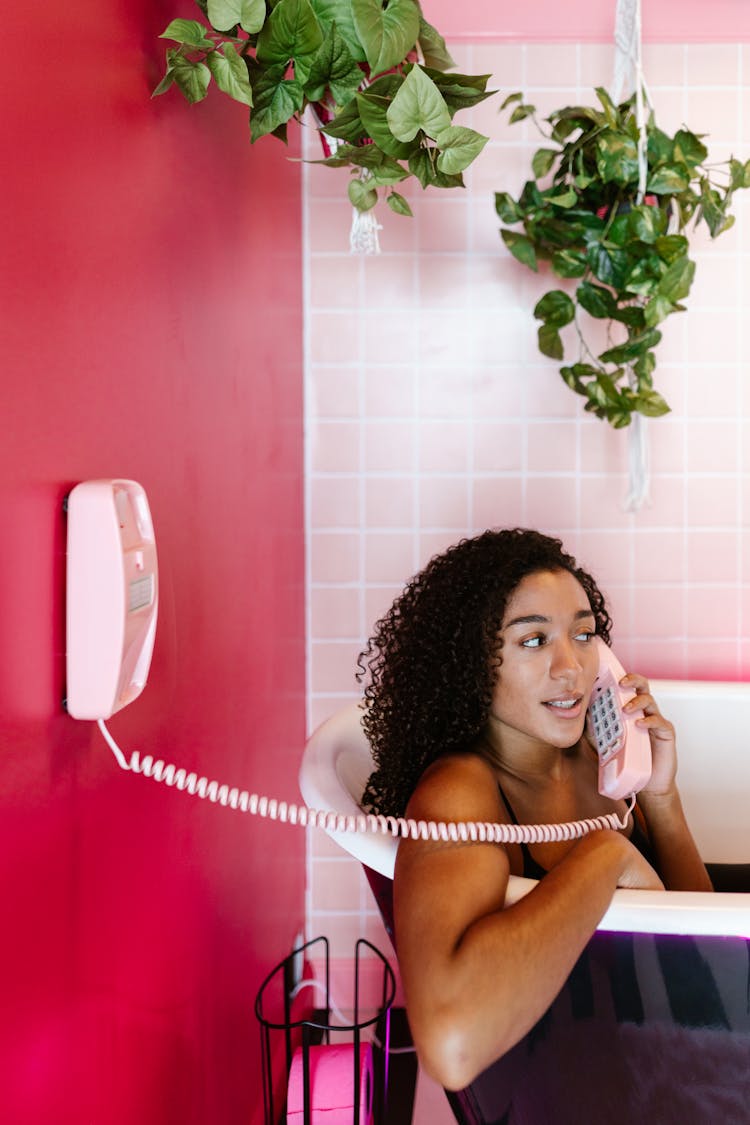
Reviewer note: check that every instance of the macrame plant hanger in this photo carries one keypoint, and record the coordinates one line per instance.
(628, 78)
(363, 233)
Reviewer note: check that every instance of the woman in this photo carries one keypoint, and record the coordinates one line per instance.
(480, 677)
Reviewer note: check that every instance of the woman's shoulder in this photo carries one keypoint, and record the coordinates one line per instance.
(457, 786)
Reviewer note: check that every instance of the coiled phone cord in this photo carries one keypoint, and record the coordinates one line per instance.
(463, 831)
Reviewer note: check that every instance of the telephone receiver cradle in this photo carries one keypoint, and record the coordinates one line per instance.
(623, 748)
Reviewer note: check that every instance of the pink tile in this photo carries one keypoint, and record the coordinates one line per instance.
(712, 611)
(659, 611)
(389, 446)
(334, 613)
(552, 503)
(320, 845)
(602, 501)
(670, 108)
(441, 220)
(713, 556)
(602, 448)
(547, 64)
(444, 337)
(391, 337)
(660, 556)
(713, 660)
(388, 556)
(444, 446)
(389, 280)
(389, 501)
(659, 659)
(498, 502)
(432, 543)
(334, 337)
(715, 112)
(341, 929)
(498, 446)
(335, 447)
(549, 394)
(505, 324)
(712, 446)
(444, 391)
(335, 884)
(334, 502)
(443, 280)
(715, 396)
(334, 665)
(328, 224)
(443, 502)
(378, 600)
(335, 281)
(390, 390)
(551, 446)
(490, 282)
(497, 392)
(596, 65)
(334, 391)
(667, 504)
(713, 338)
(606, 554)
(664, 64)
(334, 557)
(712, 501)
(321, 708)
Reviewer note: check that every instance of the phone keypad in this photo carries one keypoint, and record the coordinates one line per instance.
(606, 723)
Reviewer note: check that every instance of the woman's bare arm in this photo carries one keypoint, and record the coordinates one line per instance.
(476, 976)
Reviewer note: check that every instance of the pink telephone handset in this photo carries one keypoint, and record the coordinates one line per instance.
(624, 749)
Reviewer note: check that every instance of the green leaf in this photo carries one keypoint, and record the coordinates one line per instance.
(460, 91)
(226, 14)
(634, 347)
(230, 74)
(339, 12)
(191, 77)
(418, 105)
(347, 125)
(398, 204)
(651, 404)
(610, 111)
(616, 158)
(569, 263)
(517, 97)
(689, 148)
(520, 247)
(668, 179)
(646, 223)
(713, 210)
(276, 100)
(334, 69)
(388, 171)
(644, 368)
(549, 341)
(434, 52)
(423, 165)
(190, 32)
(373, 110)
(521, 112)
(675, 283)
(362, 194)
(608, 266)
(507, 208)
(459, 147)
(542, 161)
(671, 246)
(555, 308)
(564, 199)
(387, 34)
(596, 300)
(291, 33)
(166, 82)
(657, 309)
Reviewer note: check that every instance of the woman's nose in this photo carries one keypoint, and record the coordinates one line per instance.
(565, 660)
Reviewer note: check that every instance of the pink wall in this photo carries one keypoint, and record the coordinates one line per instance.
(151, 307)
(664, 21)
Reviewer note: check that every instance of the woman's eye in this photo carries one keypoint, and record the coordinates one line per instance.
(533, 642)
(586, 636)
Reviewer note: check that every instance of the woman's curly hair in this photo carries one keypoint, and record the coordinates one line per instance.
(434, 658)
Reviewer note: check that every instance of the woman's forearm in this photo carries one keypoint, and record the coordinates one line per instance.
(677, 856)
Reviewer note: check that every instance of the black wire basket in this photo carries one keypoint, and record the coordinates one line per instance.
(284, 1032)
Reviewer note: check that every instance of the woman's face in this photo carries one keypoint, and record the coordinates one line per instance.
(549, 660)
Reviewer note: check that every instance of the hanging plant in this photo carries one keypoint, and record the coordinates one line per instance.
(583, 214)
(373, 73)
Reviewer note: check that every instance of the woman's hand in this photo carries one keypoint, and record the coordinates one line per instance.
(661, 733)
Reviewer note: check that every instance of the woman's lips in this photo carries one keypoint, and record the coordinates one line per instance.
(566, 707)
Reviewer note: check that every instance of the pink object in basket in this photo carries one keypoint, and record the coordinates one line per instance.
(112, 596)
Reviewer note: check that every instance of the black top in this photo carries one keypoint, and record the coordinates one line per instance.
(534, 870)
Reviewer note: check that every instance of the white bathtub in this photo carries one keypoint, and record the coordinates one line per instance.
(713, 741)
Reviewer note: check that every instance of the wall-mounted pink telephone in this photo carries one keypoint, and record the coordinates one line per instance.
(624, 749)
